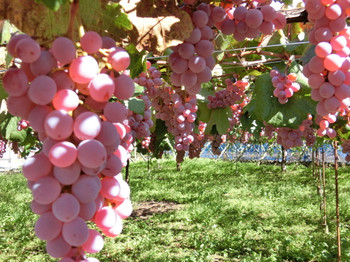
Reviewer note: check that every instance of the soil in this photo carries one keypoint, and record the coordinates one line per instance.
(146, 209)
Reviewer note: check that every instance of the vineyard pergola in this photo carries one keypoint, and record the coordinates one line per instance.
(87, 82)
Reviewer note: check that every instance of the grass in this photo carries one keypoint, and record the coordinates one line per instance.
(209, 211)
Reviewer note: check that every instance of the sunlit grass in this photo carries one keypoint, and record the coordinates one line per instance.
(224, 212)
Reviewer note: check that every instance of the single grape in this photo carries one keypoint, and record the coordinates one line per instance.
(91, 42)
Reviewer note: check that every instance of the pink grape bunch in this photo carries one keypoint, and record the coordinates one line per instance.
(248, 19)
(268, 130)
(153, 77)
(309, 133)
(237, 112)
(141, 123)
(178, 110)
(172, 105)
(285, 85)
(328, 71)
(346, 149)
(191, 62)
(288, 137)
(232, 94)
(3, 145)
(64, 93)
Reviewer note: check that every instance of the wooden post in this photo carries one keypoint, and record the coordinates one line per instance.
(337, 197)
(127, 171)
(324, 192)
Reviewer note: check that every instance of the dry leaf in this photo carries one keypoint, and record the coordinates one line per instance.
(158, 24)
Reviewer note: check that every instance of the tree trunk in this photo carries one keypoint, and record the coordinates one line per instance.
(284, 159)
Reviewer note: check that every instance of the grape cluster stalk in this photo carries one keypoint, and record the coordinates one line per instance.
(328, 71)
(64, 93)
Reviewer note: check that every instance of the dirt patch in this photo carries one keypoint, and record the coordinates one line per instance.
(146, 209)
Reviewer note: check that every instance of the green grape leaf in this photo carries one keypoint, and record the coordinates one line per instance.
(54, 5)
(203, 112)
(161, 142)
(301, 79)
(219, 119)
(137, 61)
(308, 54)
(136, 105)
(119, 20)
(3, 94)
(139, 90)
(9, 130)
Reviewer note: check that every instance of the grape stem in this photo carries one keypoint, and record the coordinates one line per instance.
(73, 13)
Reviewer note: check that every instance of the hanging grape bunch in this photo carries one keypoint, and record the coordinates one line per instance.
(191, 62)
(249, 19)
(232, 94)
(64, 93)
(328, 71)
(285, 85)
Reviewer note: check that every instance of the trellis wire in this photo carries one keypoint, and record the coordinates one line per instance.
(243, 48)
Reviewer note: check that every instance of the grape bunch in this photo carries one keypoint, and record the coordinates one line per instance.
(3, 144)
(248, 19)
(288, 137)
(346, 149)
(268, 131)
(141, 124)
(308, 131)
(285, 85)
(178, 110)
(237, 112)
(232, 94)
(328, 71)
(64, 93)
(174, 106)
(192, 61)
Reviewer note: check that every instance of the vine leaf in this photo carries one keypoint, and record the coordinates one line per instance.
(3, 94)
(219, 118)
(9, 130)
(54, 5)
(137, 61)
(136, 105)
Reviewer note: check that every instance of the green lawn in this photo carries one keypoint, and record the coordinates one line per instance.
(209, 211)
